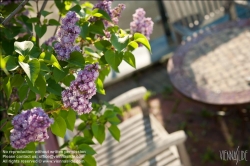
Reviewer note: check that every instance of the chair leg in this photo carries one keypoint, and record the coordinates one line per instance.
(230, 10)
(184, 155)
(178, 38)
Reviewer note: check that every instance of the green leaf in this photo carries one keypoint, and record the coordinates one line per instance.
(114, 59)
(129, 58)
(114, 120)
(97, 15)
(17, 80)
(32, 69)
(67, 4)
(54, 87)
(2, 62)
(76, 58)
(44, 67)
(6, 129)
(40, 30)
(25, 21)
(89, 160)
(84, 117)
(24, 47)
(105, 70)
(99, 86)
(99, 132)
(70, 118)
(78, 140)
(50, 58)
(32, 104)
(97, 27)
(68, 79)
(76, 8)
(115, 132)
(102, 45)
(114, 29)
(53, 103)
(45, 13)
(119, 43)
(33, 20)
(88, 150)
(109, 114)
(54, 22)
(84, 30)
(143, 40)
(59, 74)
(7, 87)
(8, 46)
(133, 44)
(35, 52)
(88, 133)
(41, 85)
(22, 92)
(22, 58)
(13, 109)
(91, 52)
(103, 14)
(11, 63)
(60, 6)
(59, 127)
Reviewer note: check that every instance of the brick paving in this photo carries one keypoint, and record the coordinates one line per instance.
(154, 78)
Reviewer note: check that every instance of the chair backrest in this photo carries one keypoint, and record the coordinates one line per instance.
(144, 141)
(195, 13)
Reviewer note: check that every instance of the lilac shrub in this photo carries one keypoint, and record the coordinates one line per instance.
(29, 126)
(141, 24)
(67, 35)
(43, 74)
(81, 90)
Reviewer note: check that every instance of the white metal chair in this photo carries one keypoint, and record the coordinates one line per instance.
(187, 17)
(144, 141)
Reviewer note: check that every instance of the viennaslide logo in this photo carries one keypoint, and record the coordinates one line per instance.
(235, 155)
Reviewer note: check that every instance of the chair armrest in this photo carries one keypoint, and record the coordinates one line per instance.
(156, 148)
(245, 3)
(129, 96)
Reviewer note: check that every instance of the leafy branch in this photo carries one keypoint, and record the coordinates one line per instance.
(39, 16)
(21, 105)
(15, 12)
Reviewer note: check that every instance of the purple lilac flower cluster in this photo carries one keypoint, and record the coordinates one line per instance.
(67, 35)
(113, 13)
(103, 5)
(116, 13)
(141, 24)
(81, 90)
(29, 126)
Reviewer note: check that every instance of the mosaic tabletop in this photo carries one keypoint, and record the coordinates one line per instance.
(214, 66)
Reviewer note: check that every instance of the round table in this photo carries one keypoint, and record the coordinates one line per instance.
(214, 66)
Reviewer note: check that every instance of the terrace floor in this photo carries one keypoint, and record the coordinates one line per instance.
(205, 137)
